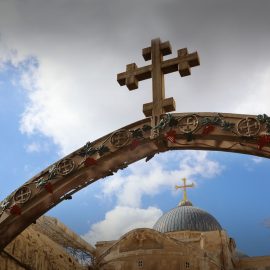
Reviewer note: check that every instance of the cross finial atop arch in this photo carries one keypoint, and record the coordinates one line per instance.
(182, 63)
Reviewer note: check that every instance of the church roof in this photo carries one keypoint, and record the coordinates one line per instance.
(186, 217)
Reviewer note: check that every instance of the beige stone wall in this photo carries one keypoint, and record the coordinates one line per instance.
(252, 263)
(201, 250)
(7, 263)
(216, 245)
(38, 252)
(184, 250)
(153, 261)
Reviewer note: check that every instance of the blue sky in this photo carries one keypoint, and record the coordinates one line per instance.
(58, 90)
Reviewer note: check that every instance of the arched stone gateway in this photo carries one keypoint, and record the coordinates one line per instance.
(245, 134)
(159, 133)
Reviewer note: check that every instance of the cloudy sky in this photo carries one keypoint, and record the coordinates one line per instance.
(58, 90)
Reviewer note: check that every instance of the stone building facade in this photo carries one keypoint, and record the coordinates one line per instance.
(37, 249)
(184, 238)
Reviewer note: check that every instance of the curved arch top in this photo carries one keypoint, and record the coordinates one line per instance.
(247, 134)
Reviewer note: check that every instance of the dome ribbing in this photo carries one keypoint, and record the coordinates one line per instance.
(186, 218)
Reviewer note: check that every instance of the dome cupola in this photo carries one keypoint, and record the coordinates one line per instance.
(186, 217)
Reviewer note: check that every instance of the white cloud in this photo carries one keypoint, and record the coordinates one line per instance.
(148, 179)
(257, 160)
(151, 178)
(73, 96)
(257, 98)
(121, 220)
(35, 147)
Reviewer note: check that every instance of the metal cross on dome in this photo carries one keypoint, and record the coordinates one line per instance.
(182, 63)
(184, 187)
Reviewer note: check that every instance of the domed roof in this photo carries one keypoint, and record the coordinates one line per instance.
(186, 217)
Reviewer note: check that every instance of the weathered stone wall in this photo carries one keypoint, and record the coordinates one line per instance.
(7, 263)
(254, 263)
(148, 249)
(36, 251)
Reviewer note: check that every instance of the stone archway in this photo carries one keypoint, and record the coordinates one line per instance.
(237, 133)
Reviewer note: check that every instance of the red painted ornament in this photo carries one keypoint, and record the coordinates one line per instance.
(208, 129)
(48, 186)
(15, 210)
(170, 135)
(134, 144)
(90, 162)
(263, 141)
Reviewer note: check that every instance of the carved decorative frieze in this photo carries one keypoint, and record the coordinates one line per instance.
(22, 195)
(120, 138)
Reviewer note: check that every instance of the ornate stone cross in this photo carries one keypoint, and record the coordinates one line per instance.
(184, 187)
(131, 77)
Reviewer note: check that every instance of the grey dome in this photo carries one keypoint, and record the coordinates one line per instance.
(186, 218)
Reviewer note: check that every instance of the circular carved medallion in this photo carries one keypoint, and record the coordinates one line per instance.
(65, 166)
(248, 126)
(120, 138)
(22, 195)
(188, 123)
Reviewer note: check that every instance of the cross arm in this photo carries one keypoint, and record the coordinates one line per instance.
(133, 75)
(165, 49)
(191, 185)
(182, 63)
